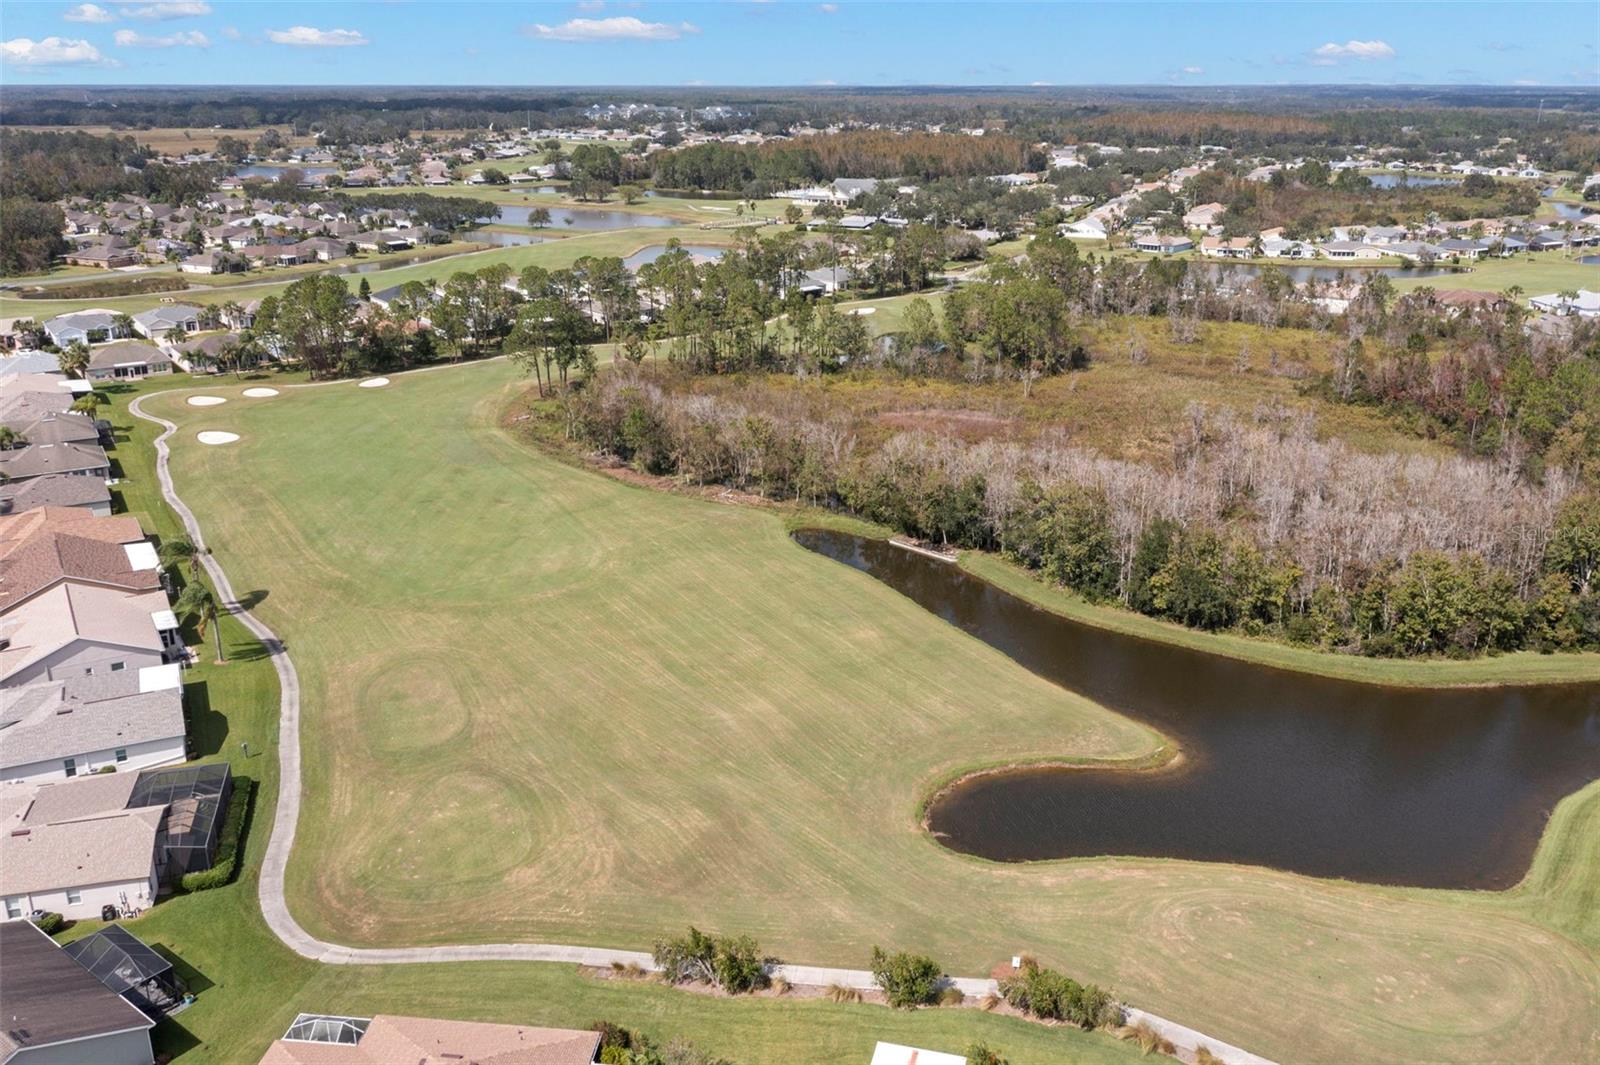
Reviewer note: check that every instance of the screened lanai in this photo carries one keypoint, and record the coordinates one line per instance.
(123, 963)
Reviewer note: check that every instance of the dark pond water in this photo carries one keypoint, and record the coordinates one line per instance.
(1590, 260)
(1574, 211)
(655, 251)
(1436, 788)
(1390, 181)
(505, 240)
(516, 215)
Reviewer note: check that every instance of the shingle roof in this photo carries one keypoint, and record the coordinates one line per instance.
(69, 612)
(40, 459)
(55, 490)
(47, 998)
(109, 848)
(43, 722)
(126, 353)
(426, 1041)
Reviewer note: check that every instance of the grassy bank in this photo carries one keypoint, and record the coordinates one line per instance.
(605, 712)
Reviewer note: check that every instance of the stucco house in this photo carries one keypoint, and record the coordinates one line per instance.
(90, 327)
(130, 359)
(60, 729)
(159, 321)
(77, 629)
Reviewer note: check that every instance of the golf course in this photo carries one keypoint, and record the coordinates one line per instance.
(562, 708)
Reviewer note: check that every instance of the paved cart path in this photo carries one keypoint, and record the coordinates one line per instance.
(275, 908)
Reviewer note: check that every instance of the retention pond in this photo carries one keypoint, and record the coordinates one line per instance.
(1447, 787)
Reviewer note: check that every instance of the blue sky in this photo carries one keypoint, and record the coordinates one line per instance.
(848, 42)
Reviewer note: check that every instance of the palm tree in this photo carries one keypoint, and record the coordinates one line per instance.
(196, 601)
(88, 403)
(181, 549)
(74, 359)
(10, 438)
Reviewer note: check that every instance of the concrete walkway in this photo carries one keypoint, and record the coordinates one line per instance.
(275, 907)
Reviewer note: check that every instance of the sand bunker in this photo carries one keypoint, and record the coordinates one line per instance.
(374, 382)
(260, 393)
(214, 436)
(863, 311)
(206, 401)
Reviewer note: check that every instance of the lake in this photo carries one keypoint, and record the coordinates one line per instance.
(505, 240)
(1392, 181)
(1574, 211)
(1330, 778)
(581, 218)
(699, 252)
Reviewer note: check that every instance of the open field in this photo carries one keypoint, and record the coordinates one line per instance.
(177, 140)
(251, 986)
(604, 712)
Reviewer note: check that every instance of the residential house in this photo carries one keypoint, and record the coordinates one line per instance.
(1584, 304)
(89, 327)
(1226, 247)
(130, 359)
(1349, 249)
(107, 255)
(1163, 244)
(77, 628)
(56, 1012)
(88, 494)
(325, 1039)
(75, 726)
(109, 840)
(1457, 247)
(1204, 216)
(39, 460)
(241, 316)
(159, 321)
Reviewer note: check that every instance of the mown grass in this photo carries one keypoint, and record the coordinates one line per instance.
(250, 986)
(564, 708)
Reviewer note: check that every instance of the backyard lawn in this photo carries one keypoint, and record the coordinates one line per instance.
(543, 705)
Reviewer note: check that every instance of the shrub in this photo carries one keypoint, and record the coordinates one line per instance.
(732, 963)
(908, 980)
(951, 996)
(982, 1054)
(50, 923)
(1203, 1056)
(841, 993)
(222, 870)
(1051, 995)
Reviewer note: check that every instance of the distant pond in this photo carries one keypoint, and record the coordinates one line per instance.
(582, 218)
(1352, 272)
(1330, 778)
(656, 251)
(505, 240)
(1393, 181)
(273, 170)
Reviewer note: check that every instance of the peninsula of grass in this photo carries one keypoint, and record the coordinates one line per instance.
(563, 708)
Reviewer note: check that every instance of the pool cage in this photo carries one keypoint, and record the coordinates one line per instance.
(120, 961)
(321, 1028)
(196, 798)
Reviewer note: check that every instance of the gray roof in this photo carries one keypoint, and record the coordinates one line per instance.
(48, 998)
(127, 353)
(85, 320)
(54, 490)
(78, 715)
(167, 315)
(31, 362)
(38, 460)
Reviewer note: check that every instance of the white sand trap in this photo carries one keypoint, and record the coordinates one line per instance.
(864, 311)
(206, 401)
(374, 382)
(215, 436)
(260, 393)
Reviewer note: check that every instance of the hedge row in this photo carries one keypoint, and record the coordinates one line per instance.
(222, 869)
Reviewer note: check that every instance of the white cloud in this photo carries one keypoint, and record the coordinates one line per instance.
(827, 9)
(309, 37)
(182, 39)
(591, 5)
(52, 52)
(1194, 70)
(618, 28)
(231, 32)
(1329, 54)
(825, 82)
(1040, 84)
(179, 9)
(89, 13)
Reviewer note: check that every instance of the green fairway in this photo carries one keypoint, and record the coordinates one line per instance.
(250, 986)
(545, 705)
